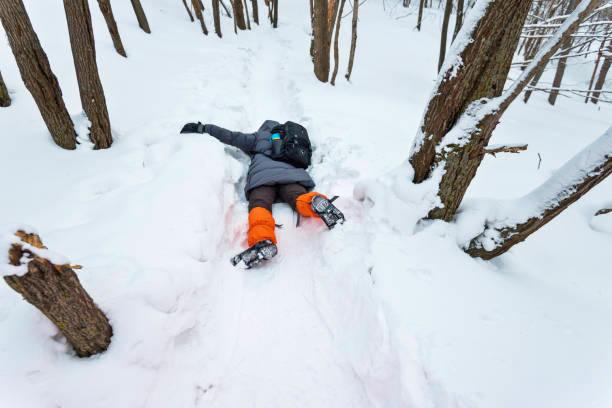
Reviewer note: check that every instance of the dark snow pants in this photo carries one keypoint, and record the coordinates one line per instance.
(265, 196)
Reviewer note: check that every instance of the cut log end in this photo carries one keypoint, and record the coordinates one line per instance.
(55, 290)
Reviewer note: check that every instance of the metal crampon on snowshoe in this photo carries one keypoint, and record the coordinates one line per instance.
(261, 251)
(328, 212)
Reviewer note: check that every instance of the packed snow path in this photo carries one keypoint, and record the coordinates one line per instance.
(306, 330)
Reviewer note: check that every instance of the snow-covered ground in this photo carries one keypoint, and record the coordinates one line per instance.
(380, 312)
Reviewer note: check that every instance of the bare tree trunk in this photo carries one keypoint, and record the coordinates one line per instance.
(575, 179)
(458, 19)
(5, 98)
(275, 19)
(255, 11)
(321, 45)
(420, 17)
(239, 14)
(107, 12)
(188, 11)
(198, 12)
(465, 93)
(36, 72)
(226, 9)
(247, 17)
(552, 97)
(597, 60)
(217, 17)
(143, 23)
(55, 290)
(90, 87)
(336, 37)
(353, 40)
(601, 79)
(447, 12)
(533, 83)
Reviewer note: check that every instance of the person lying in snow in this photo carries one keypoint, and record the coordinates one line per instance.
(280, 155)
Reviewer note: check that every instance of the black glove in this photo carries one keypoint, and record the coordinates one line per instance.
(193, 128)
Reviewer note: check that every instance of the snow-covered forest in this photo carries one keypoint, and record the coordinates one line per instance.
(468, 142)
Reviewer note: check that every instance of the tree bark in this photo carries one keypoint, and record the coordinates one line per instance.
(217, 17)
(336, 38)
(534, 82)
(198, 12)
(561, 64)
(90, 88)
(554, 197)
(107, 12)
(320, 32)
(420, 17)
(447, 12)
(275, 18)
(5, 98)
(143, 23)
(239, 14)
(465, 92)
(36, 72)
(246, 15)
(189, 11)
(255, 11)
(458, 18)
(601, 79)
(55, 290)
(353, 40)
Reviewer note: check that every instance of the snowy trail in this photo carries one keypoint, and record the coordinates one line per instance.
(291, 338)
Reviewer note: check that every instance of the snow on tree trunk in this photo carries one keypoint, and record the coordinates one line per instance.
(476, 67)
(107, 12)
(54, 289)
(468, 102)
(5, 98)
(90, 88)
(520, 218)
(36, 72)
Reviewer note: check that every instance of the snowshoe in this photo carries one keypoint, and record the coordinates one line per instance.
(328, 212)
(261, 251)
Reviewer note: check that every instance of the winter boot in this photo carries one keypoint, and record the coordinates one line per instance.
(261, 251)
(315, 204)
(329, 213)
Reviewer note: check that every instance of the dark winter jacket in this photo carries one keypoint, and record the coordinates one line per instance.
(263, 171)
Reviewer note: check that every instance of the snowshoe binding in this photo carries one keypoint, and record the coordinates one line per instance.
(328, 212)
(261, 251)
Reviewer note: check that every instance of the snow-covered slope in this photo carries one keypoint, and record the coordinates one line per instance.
(380, 312)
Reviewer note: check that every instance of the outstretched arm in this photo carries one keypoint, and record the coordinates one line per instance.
(243, 141)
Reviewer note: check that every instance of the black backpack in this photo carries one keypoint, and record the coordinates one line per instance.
(295, 149)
